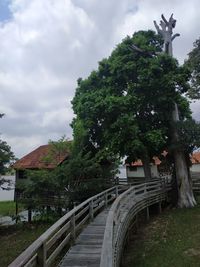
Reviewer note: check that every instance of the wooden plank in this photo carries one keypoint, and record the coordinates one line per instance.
(81, 212)
(87, 248)
(32, 262)
(57, 235)
(57, 250)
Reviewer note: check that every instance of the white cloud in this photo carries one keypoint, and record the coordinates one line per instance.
(49, 44)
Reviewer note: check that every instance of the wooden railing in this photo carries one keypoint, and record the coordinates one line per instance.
(49, 245)
(122, 213)
(196, 181)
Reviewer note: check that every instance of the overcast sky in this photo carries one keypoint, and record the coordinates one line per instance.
(46, 45)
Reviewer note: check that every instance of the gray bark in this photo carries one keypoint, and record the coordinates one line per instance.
(146, 166)
(184, 184)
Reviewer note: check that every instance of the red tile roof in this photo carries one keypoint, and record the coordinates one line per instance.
(139, 162)
(195, 159)
(37, 159)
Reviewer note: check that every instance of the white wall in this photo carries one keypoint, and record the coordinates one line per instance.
(154, 171)
(140, 172)
(122, 171)
(195, 168)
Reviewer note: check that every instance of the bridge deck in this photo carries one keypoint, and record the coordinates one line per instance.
(86, 251)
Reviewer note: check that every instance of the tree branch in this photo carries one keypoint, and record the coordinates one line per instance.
(157, 27)
(146, 53)
(164, 19)
(175, 35)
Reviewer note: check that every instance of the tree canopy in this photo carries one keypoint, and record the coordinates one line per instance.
(125, 106)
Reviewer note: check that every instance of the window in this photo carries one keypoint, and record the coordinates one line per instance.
(132, 168)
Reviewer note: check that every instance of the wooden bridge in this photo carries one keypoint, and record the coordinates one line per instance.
(93, 234)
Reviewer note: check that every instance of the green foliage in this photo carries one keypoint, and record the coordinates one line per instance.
(6, 155)
(77, 178)
(45, 187)
(193, 64)
(124, 108)
(189, 135)
(57, 150)
(42, 188)
(86, 176)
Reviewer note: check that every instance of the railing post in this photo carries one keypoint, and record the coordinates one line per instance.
(147, 213)
(159, 207)
(91, 210)
(73, 228)
(116, 192)
(145, 188)
(41, 256)
(106, 199)
(136, 222)
(117, 181)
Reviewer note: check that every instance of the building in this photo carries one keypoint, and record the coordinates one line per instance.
(42, 157)
(195, 159)
(135, 169)
(45, 157)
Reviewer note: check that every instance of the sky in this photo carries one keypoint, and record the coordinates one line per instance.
(46, 45)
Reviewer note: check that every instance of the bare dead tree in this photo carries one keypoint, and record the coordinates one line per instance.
(166, 31)
(184, 183)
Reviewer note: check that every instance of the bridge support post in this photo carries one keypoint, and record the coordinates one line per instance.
(73, 229)
(106, 199)
(116, 192)
(91, 210)
(159, 207)
(147, 213)
(136, 222)
(41, 258)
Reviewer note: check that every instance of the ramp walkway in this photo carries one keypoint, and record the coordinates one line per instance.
(93, 233)
(88, 246)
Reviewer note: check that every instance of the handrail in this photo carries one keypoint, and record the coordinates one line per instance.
(195, 181)
(121, 215)
(44, 250)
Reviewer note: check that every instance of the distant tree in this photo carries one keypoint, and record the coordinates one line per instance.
(44, 188)
(6, 157)
(76, 179)
(189, 135)
(193, 63)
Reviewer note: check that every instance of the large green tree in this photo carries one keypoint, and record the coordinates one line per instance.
(125, 106)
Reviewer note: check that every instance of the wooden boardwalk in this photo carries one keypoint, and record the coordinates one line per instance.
(86, 251)
(101, 242)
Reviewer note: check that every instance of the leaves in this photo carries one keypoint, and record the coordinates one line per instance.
(6, 155)
(193, 65)
(125, 106)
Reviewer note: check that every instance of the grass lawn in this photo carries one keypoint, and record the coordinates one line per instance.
(7, 208)
(16, 238)
(170, 239)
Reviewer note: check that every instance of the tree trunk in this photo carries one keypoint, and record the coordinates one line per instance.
(29, 215)
(185, 193)
(146, 166)
(184, 183)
